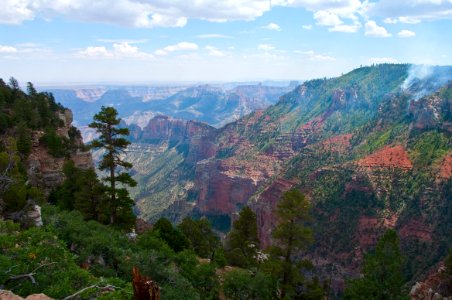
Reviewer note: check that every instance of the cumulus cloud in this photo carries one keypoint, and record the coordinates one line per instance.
(272, 26)
(307, 27)
(176, 13)
(266, 47)
(7, 49)
(406, 33)
(24, 48)
(326, 18)
(119, 50)
(383, 60)
(409, 11)
(372, 29)
(182, 46)
(334, 22)
(95, 52)
(136, 13)
(163, 13)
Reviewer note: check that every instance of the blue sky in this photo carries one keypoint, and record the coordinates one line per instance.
(141, 41)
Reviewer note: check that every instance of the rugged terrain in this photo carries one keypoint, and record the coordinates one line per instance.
(371, 149)
(214, 105)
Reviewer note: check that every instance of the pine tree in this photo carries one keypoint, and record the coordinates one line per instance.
(112, 141)
(292, 236)
(382, 272)
(203, 239)
(243, 242)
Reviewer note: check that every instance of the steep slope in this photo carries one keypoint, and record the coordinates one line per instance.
(36, 139)
(164, 154)
(368, 152)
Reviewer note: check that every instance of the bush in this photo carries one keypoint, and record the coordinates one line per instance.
(242, 284)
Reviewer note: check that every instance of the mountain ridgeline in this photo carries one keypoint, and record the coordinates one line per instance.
(214, 105)
(371, 149)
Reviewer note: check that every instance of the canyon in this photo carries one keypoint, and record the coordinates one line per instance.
(356, 145)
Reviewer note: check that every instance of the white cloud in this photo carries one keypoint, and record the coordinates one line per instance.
(160, 52)
(213, 36)
(409, 20)
(135, 13)
(181, 46)
(213, 51)
(409, 11)
(383, 60)
(127, 50)
(406, 33)
(313, 56)
(14, 52)
(333, 20)
(307, 27)
(176, 13)
(372, 29)
(326, 18)
(346, 28)
(15, 12)
(266, 47)
(95, 52)
(7, 49)
(119, 50)
(390, 21)
(272, 26)
(162, 13)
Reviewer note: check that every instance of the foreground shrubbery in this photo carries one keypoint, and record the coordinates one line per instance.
(55, 252)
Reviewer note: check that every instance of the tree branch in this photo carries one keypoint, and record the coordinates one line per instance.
(29, 275)
(94, 286)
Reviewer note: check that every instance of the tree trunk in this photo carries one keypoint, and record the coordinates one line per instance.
(286, 268)
(113, 205)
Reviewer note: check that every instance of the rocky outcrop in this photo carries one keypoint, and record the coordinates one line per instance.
(264, 207)
(387, 157)
(165, 128)
(90, 95)
(437, 286)
(46, 171)
(445, 169)
(8, 295)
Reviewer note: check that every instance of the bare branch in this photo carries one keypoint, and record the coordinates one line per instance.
(107, 287)
(30, 275)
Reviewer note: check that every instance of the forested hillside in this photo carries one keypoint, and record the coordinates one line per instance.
(371, 149)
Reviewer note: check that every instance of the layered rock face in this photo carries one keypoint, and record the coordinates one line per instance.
(46, 171)
(366, 158)
(436, 286)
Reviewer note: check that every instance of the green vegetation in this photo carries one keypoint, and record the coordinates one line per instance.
(429, 147)
(106, 254)
(242, 242)
(82, 191)
(292, 236)
(84, 243)
(120, 204)
(382, 272)
(246, 285)
(202, 238)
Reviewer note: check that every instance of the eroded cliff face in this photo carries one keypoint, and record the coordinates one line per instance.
(366, 158)
(163, 155)
(46, 171)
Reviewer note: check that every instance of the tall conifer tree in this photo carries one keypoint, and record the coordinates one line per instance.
(112, 140)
